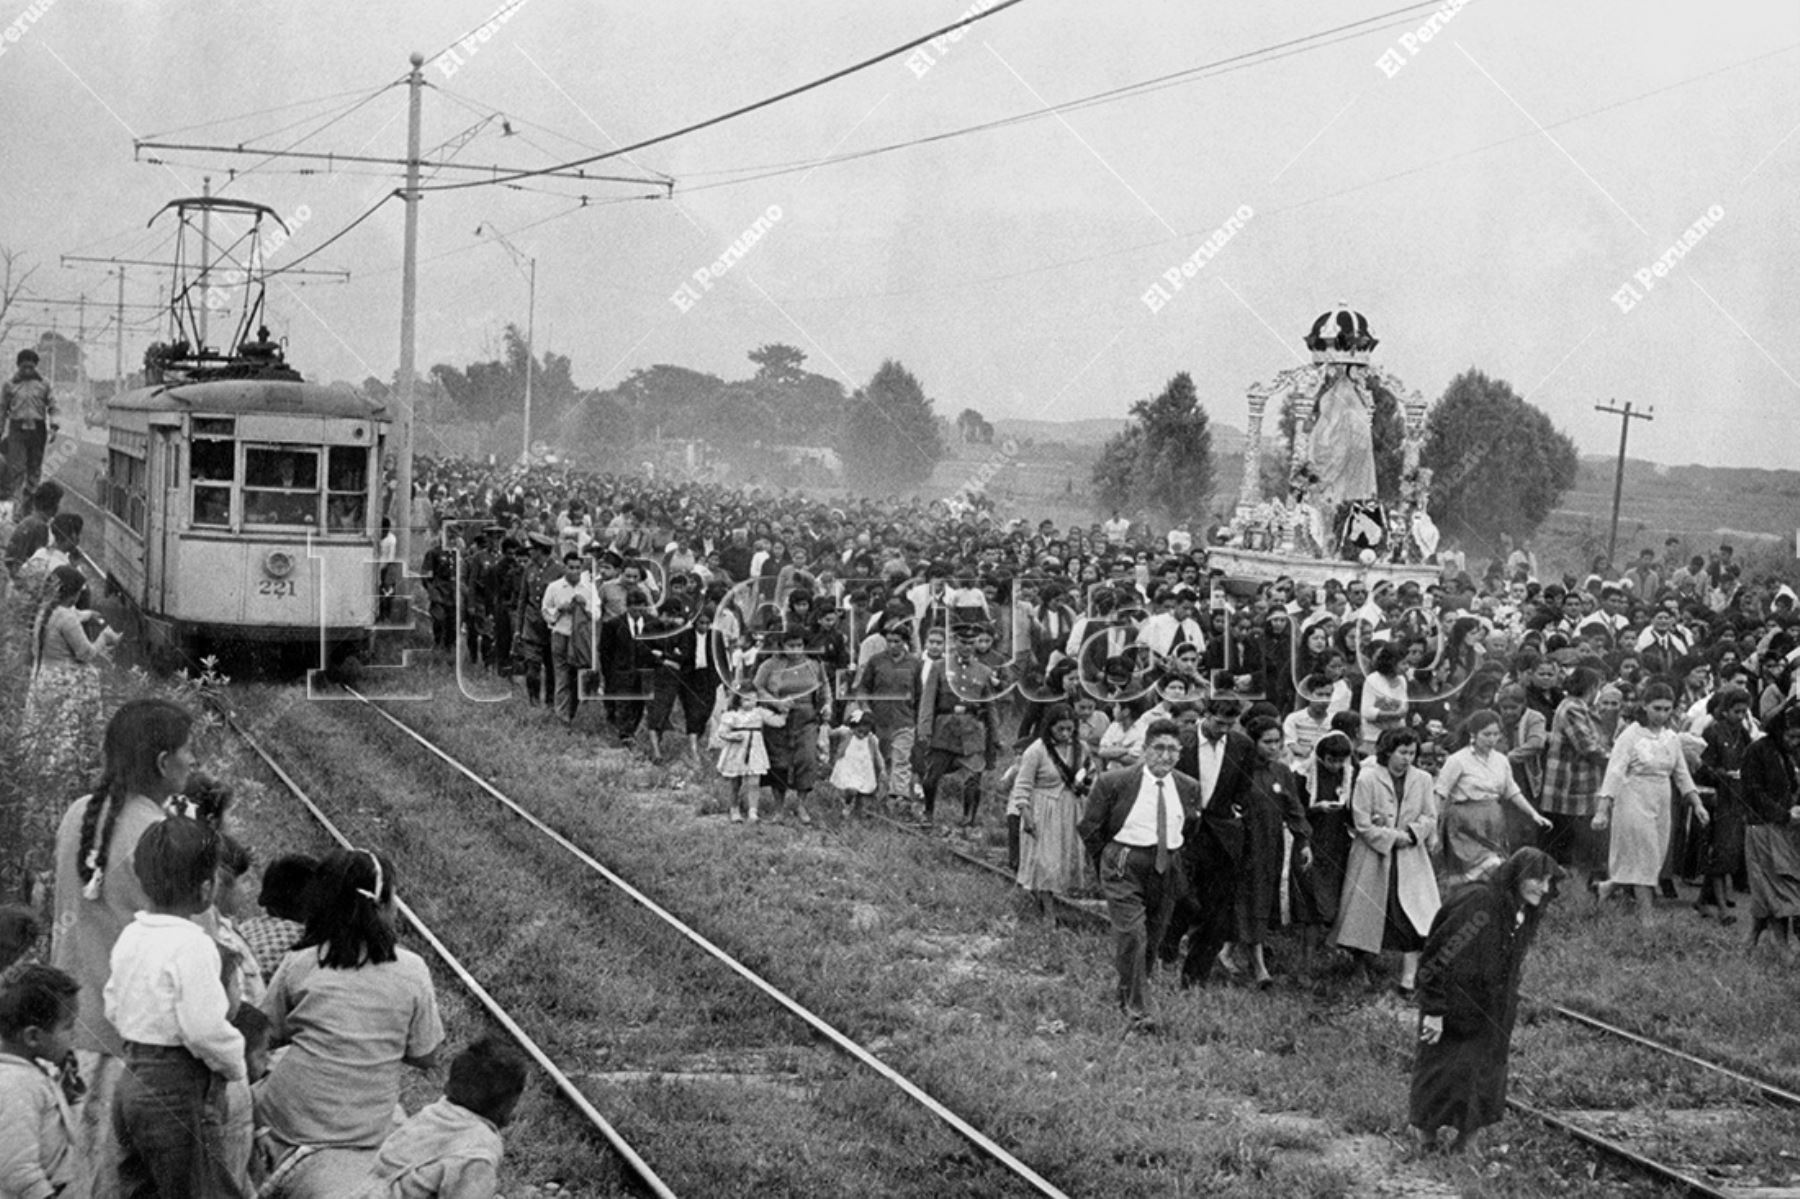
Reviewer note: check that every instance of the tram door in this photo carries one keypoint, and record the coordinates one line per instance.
(163, 503)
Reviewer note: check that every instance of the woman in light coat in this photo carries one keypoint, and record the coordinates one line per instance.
(1390, 890)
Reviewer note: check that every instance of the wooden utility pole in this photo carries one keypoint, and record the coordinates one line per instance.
(1626, 416)
(409, 288)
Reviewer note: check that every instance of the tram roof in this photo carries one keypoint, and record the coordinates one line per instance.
(242, 396)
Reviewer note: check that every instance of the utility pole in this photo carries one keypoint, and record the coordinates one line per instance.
(1626, 416)
(205, 258)
(409, 287)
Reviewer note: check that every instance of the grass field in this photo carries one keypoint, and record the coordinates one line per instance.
(1005, 1018)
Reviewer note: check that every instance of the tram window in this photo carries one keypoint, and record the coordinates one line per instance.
(214, 461)
(347, 489)
(213, 465)
(125, 488)
(281, 486)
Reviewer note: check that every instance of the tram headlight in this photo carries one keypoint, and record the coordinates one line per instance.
(278, 564)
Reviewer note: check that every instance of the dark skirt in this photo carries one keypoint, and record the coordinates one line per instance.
(793, 755)
(1399, 935)
(1724, 836)
(1460, 1082)
(1313, 894)
(1259, 878)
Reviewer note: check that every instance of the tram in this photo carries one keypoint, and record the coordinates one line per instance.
(242, 503)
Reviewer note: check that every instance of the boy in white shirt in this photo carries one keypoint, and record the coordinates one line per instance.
(167, 998)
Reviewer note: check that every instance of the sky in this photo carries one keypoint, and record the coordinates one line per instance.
(1483, 190)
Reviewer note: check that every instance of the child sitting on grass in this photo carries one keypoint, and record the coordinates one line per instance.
(166, 998)
(860, 766)
(451, 1149)
(742, 754)
(283, 898)
(37, 1131)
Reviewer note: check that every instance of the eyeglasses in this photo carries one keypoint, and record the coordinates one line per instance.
(1162, 750)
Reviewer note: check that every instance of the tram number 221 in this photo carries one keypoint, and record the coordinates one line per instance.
(283, 588)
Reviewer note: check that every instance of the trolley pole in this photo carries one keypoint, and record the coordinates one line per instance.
(409, 289)
(530, 360)
(119, 345)
(1626, 416)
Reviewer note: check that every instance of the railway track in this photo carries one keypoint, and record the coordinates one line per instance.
(633, 1162)
(975, 1138)
(1691, 1184)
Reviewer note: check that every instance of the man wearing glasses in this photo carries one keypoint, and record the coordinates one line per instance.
(1133, 829)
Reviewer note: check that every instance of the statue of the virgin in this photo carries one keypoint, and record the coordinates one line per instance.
(1343, 442)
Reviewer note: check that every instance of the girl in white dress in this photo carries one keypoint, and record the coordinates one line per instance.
(859, 768)
(742, 755)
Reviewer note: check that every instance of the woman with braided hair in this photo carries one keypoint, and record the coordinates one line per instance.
(146, 760)
(352, 1006)
(59, 737)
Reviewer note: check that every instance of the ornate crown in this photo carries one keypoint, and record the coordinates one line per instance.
(1341, 335)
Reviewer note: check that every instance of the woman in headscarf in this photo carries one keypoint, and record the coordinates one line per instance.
(1469, 997)
(1771, 792)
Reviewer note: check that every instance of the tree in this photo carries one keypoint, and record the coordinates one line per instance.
(1498, 464)
(13, 276)
(1115, 474)
(891, 435)
(974, 427)
(1164, 461)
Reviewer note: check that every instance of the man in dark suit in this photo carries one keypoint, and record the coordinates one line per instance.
(625, 662)
(686, 664)
(1220, 761)
(1134, 829)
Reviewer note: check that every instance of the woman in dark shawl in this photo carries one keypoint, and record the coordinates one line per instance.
(1469, 997)
(1271, 802)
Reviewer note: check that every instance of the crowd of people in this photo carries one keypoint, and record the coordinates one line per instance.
(1404, 768)
(1343, 757)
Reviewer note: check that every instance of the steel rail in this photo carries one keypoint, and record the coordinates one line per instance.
(1650, 1165)
(1607, 1145)
(1063, 904)
(564, 1083)
(839, 1039)
(1772, 1092)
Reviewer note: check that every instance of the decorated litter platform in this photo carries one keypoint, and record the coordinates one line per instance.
(1332, 522)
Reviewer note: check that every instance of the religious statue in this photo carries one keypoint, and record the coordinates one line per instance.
(1343, 440)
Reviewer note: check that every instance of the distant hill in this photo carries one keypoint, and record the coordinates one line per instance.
(1097, 432)
(1688, 499)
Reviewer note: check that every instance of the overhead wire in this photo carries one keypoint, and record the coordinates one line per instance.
(473, 105)
(247, 116)
(1222, 66)
(1351, 189)
(334, 238)
(966, 20)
